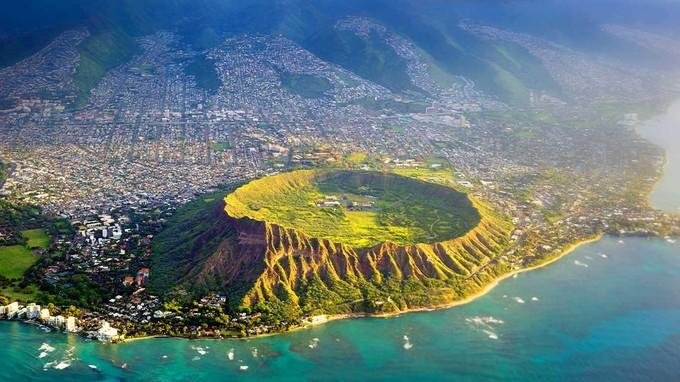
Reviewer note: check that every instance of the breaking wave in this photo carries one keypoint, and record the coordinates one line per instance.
(407, 343)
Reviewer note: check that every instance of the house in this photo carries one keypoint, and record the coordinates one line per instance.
(107, 333)
(32, 311)
(128, 280)
(142, 276)
(56, 321)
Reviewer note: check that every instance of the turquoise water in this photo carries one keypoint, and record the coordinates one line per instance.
(618, 319)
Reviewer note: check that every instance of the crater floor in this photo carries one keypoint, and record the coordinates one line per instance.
(357, 208)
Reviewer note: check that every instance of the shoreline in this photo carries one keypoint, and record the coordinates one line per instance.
(486, 289)
(641, 130)
(483, 291)
(317, 320)
(328, 318)
(567, 250)
(664, 166)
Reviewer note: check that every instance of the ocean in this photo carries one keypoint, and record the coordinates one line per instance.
(609, 311)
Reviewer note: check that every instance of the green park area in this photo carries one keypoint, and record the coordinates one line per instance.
(16, 259)
(37, 238)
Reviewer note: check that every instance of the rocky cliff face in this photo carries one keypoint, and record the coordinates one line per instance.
(265, 263)
(265, 266)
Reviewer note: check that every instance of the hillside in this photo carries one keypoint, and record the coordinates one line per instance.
(500, 68)
(265, 266)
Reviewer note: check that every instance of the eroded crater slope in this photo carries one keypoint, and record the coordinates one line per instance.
(337, 241)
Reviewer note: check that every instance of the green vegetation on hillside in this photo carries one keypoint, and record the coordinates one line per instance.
(191, 234)
(305, 85)
(503, 69)
(99, 53)
(203, 69)
(361, 209)
(404, 277)
(371, 58)
(499, 68)
(284, 273)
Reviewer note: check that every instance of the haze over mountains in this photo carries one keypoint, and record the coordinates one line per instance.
(508, 49)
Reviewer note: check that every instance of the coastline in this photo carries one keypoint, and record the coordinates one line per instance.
(659, 180)
(322, 319)
(642, 130)
(639, 131)
(567, 250)
(336, 317)
(486, 289)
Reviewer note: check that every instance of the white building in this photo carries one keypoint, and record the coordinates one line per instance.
(12, 309)
(107, 333)
(117, 232)
(57, 321)
(70, 325)
(32, 311)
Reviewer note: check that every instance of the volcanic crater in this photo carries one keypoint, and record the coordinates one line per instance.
(341, 241)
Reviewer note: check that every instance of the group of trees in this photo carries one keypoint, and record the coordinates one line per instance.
(14, 217)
